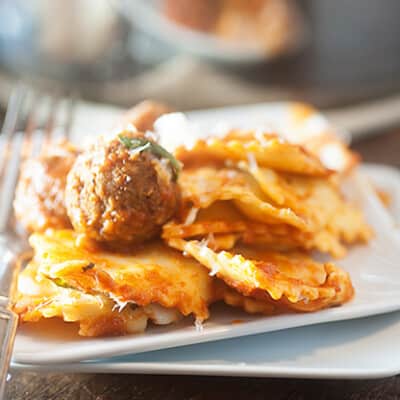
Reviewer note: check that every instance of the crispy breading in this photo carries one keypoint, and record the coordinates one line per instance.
(319, 201)
(291, 281)
(272, 185)
(267, 150)
(252, 306)
(97, 315)
(222, 241)
(222, 218)
(204, 186)
(152, 273)
(265, 207)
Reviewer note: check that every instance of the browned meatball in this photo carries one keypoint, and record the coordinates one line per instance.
(118, 193)
(39, 197)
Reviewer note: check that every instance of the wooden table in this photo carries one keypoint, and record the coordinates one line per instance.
(37, 386)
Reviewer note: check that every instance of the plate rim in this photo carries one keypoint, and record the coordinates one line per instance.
(211, 370)
(233, 369)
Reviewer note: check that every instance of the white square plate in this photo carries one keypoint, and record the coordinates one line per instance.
(373, 268)
(360, 348)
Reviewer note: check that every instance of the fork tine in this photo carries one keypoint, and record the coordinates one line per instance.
(40, 123)
(30, 124)
(13, 108)
(43, 110)
(48, 128)
(9, 180)
(10, 122)
(72, 101)
(11, 155)
(66, 111)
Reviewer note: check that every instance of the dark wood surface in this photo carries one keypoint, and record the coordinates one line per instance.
(385, 149)
(136, 387)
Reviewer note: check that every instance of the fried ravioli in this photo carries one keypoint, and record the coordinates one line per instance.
(264, 207)
(96, 315)
(286, 281)
(268, 151)
(153, 274)
(204, 186)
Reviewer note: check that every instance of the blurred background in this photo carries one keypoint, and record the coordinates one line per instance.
(203, 53)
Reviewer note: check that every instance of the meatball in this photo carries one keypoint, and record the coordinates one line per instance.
(144, 114)
(39, 196)
(120, 191)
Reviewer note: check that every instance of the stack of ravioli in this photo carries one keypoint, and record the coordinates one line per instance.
(254, 211)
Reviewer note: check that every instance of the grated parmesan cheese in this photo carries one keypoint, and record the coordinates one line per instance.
(252, 162)
(199, 325)
(191, 217)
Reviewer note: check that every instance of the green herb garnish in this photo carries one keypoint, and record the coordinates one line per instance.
(87, 267)
(142, 144)
(137, 144)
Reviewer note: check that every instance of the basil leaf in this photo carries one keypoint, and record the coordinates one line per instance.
(143, 144)
(132, 143)
(158, 150)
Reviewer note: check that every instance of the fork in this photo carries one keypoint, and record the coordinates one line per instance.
(40, 115)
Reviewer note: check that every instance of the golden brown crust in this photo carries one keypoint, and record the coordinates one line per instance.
(96, 315)
(152, 274)
(287, 281)
(204, 186)
(264, 207)
(266, 149)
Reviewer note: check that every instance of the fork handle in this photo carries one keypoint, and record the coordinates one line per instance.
(9, 265)
(8, 327)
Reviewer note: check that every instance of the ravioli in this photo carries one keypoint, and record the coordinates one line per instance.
(150, 274)
(286, 281)
(96, 315)
(264, 207)
(331, 218)
(267, 150)
(204, 186)
(223, 219)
